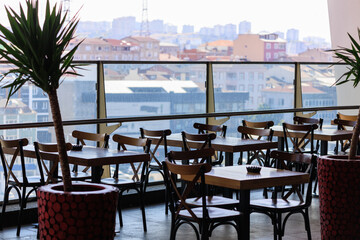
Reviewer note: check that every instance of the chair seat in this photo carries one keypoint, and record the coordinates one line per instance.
(213, 201)
(214, 213)
(117, 181)
(33, 181)
(279, 204)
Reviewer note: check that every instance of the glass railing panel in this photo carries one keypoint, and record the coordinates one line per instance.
(318, 90)
(155, 89)
(250, 87)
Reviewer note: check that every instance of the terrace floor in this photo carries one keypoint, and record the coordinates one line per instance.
(159, 226)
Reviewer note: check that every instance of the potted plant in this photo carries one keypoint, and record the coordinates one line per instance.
(40, 56)
(339, 176)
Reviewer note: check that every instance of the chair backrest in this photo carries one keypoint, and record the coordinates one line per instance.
(265, 124)
(81, 137)
(207, 128)
(346, 117)
(255, 133)
(185, 156)
(122, 143)
(40, 148)
(298, 161)
(162, 135)
(16, 146)
(305, 120)
(178, 200)
(206, 138)
(299, 143)
(342, 124)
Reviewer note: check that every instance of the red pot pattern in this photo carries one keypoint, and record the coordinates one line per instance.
(77, 215)
(339, 189)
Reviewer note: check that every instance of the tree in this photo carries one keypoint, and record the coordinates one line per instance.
(40, 56)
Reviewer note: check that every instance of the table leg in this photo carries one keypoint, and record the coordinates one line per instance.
(323, 147)
(245, 218)
(96, 172)
(229, 159)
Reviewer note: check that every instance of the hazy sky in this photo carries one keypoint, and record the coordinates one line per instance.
(309, 16)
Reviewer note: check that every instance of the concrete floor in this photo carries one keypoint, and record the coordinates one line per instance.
(159, 226)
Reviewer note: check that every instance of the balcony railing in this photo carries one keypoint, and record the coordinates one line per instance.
(120, 97)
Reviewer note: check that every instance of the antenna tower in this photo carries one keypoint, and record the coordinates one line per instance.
(144, 28)
(66, 9)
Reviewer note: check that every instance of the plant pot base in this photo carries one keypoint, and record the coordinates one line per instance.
(88, 212)
(339, 189)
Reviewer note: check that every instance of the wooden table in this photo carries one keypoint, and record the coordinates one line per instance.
(229, 145)
(324, 135)
(93, 157)
(237, 177)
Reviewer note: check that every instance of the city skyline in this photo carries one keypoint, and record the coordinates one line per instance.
(309, 17)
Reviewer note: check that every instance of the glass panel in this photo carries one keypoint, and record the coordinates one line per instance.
(249, 87)
(77, 98)
(155, 89)
(318, 90)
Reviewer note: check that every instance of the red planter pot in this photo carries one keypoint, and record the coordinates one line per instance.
(88, 212)
(339, 189)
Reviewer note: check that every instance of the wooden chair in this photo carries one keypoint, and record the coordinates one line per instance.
(346, 117)
(135, 183)
(205, 139)
(255, 133)
(275, 207)
(81, 139)
(342, 146)
(207, 128)
(299, 143)
(211, 200)
(264, 125)
(207, 217)
(50, 167)
(155, 164)
(20, 183)
(305, 120)
(260, 125)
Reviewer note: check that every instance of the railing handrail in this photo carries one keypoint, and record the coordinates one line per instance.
(196, 62)
(172, 117)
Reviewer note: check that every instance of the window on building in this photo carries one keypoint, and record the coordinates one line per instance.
(251, 76)
(251, 87)
(241, 76)
(268, 45)
(260, 76)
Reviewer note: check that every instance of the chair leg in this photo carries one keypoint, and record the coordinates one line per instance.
(6, 199)
(307, 223)
(22, 204)
(142, 206)
(204, 231)
(280, 230)
(119, 210)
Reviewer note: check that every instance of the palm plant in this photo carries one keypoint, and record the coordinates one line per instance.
(39, 55)
(351, 56)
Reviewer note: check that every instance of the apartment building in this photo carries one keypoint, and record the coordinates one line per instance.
(259, 47)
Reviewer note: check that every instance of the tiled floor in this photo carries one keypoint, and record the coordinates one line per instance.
(159, 226)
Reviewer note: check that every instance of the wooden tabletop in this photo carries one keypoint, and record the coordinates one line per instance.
(237, 177)
(91, 156)
(225, 144)
(324, 134)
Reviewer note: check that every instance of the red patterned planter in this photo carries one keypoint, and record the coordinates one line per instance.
(88, 212)
(339, 188)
